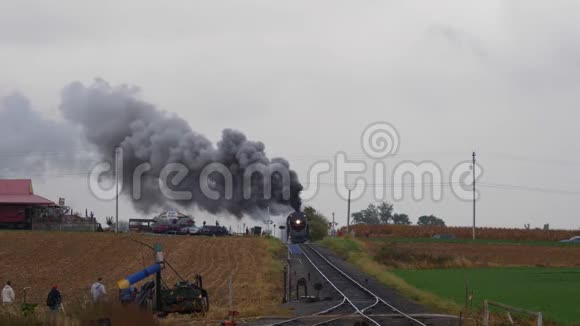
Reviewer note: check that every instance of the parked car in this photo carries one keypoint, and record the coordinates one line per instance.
(189, 230)
(444, 236)
(575, 239)
(185, 221)
(166, 228)
(160, 228)
(213, 230)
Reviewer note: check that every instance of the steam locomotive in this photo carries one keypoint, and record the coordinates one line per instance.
(297, 226)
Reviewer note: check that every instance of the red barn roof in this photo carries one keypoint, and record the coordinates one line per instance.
(19, 191)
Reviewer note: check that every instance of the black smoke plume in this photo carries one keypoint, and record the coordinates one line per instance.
(115, 116)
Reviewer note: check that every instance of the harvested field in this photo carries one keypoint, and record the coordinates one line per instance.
(74, 261)
(478, 255)
(418, 231)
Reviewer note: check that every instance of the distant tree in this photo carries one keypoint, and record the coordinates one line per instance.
(385, 212)
(401, 219)
(381, 214)
(430, 220)
(123, 225)
(317, 223)
(369, 215)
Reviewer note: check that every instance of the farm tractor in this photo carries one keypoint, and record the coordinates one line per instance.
(184, 298)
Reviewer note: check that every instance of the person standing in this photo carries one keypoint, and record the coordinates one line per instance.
(54, 299)
(8, 295)
(98, 291)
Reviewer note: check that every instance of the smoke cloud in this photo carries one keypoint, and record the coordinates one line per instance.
(32, 143)
(112, 116)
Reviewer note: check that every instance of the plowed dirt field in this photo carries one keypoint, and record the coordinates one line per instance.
(75, 260)
(494, 254)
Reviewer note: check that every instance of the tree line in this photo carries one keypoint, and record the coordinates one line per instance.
(373, 214)
(384, 214)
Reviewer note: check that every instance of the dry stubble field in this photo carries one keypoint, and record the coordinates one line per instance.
(502, 254)
(74, 261)
(476, 254)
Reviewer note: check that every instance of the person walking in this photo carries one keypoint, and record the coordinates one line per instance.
(8, 295)
(54, 299)
(98, 291)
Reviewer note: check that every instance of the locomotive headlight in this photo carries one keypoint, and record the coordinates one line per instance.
(298, 221)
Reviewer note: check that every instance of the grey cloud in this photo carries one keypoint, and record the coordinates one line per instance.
(30, 142)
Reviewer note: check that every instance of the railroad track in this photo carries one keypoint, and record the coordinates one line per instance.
(356, 299)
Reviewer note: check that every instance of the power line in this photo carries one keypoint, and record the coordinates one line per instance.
(488, 185)
(512, 157)
(528, 188)
(446, 184)
(497, 155)
(44, 153)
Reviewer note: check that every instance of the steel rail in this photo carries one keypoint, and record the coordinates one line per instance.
(364, 289)
(345, 299)
(360, 311)
(357, 310)
(313, 315)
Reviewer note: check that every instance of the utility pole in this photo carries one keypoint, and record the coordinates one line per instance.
(473, 170)
(333, 231)
(348, 214)
(117, 190)
(269, 221)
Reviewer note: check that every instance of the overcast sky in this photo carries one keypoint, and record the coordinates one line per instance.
(306, 77)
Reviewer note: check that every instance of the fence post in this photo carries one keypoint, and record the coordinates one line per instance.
(540, 319)
(509, 316)
(485, 313)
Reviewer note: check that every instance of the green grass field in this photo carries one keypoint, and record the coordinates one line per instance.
(510, 242)
(553, 291)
